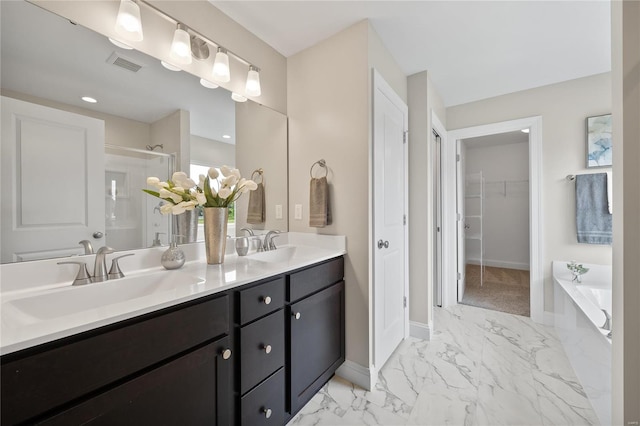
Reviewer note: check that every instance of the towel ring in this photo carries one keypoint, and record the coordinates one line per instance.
(320, 163)
(259, 172)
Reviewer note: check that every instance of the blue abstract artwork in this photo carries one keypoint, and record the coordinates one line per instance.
(599, 141)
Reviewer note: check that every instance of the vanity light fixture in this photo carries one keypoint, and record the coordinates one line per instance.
(128, 22)
(238, 97)
(253, 82)
(208, 84)
(221, 71)
(170, 67)
(181, 45)
(120, 44)
(226, 137)
(89, 99)
(525, 130)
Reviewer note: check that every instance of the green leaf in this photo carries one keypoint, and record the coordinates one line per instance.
(150, 192)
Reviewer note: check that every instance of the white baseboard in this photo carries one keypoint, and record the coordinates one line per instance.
(419, 330)
(549, 318)
(357, 374)
(500, 264)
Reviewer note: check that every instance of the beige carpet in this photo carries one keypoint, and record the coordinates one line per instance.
(505, 290)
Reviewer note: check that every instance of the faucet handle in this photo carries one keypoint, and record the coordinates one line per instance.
(86, 244)
(115, 271)
(83, 276)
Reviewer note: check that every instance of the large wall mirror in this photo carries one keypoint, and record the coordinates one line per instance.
(73, 170)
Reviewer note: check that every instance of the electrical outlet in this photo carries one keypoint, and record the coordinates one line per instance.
(298, 212)
(278, 211)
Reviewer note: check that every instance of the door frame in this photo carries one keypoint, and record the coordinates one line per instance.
(378, 83)
(450, 188)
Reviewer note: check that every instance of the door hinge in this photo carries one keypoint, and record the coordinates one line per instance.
(404, 136)
(405, 301)
(459, 216)
(457, 157)
(404, 219)
(459, 276)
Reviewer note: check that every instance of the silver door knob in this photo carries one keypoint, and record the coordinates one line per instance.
(296, 315)
(382, 244)
(267, 348)
(266, 300)
(226, 354)
(267, 412)
(97, 235)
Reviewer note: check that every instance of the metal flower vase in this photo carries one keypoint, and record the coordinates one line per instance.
(186, 226)
(215, 233)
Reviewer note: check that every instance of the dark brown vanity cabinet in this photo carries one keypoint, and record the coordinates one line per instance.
(316, 329)
(173, 366)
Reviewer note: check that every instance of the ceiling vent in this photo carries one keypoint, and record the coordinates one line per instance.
(123, 62)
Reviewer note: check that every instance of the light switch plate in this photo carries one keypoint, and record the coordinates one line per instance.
(298, 212)
(278, 211)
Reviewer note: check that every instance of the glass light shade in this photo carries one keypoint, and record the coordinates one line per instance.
(238, 97)
(169, 66)
(128, 22)
(181, 46)
(208, 84)
(253, 82)
(221, 67)
(120, 44)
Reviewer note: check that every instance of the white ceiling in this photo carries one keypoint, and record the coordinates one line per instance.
(498, 139)
(472, 49)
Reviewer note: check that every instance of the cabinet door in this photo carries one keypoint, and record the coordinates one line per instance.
(317, 342)
(195, 389)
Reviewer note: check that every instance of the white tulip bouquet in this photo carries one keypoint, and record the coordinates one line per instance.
(216, 189)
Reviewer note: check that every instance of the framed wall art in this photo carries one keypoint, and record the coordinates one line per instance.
(599, 142)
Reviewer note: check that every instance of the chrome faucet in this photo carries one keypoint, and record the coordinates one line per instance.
(249, 231)
(100, 266)
(268, 240)
(86, 244)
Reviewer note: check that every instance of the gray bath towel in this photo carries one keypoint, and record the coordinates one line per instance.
(593, 220)
(319, 206)
(256, 209)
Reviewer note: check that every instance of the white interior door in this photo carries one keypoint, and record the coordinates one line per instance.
(460, 192)
(389, 204)
(52, 181)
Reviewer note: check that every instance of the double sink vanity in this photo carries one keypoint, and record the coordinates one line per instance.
(246, 342)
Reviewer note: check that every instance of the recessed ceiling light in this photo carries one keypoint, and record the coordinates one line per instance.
(169, 66)
(226, 137)
(89, 99)
(208, 84)
(525, 130)
(120, 44)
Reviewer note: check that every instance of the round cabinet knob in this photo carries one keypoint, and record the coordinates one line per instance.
(267, 412)
(296, 315)
(97, 235)
(226, 354)
(266, 300)
(267, 348)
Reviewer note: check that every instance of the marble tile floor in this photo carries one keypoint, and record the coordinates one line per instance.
(481, 367)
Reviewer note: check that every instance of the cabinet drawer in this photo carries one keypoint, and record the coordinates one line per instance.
(262, 349)
(268, 399)
(191, 390)
(260, 300)
(316, 278)
(42, 381)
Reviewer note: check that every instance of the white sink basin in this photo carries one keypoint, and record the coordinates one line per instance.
(75, 299)
(282, 254)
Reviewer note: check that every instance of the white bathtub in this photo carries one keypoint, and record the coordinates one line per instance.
(578, 320)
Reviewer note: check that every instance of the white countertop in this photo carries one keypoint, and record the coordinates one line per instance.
(19, 330)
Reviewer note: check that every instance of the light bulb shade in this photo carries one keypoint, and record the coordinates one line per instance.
(181, 46)
(208, 84)
(253, 82)
(128, 22)
(238, 97)
(221, 67)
